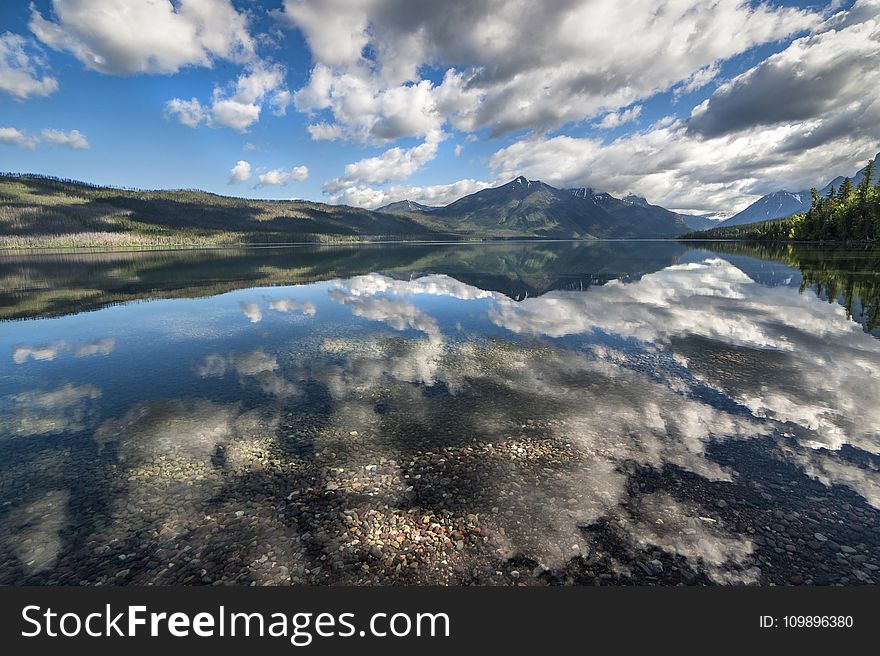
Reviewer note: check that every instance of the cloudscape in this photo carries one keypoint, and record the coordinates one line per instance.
(700, 106)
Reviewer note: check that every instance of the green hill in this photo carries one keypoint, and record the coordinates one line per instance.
(37, 211)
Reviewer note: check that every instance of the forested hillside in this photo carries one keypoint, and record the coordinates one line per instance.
(849, 213)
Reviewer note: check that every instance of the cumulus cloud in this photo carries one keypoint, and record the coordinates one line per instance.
(241, 172)
(22, 68)
(393, 164)
(15, 137)
(670, 166)
(794, 121)
(616, 119)
(697, 80)
(834, 70)
(123, 37)
(190, 112)
(238, 105)
(441, 194)
(494, 55)
(278, 177)
(73, 139)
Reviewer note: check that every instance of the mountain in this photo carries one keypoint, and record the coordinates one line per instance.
(46, 212)
(780, 204)
(403, 207)
(772, 206)
(531, 208)
(702, 221)
(37, 211)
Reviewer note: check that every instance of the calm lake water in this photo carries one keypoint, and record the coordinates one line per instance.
(527, 413)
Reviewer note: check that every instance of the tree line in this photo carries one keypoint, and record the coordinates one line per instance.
(848, 213)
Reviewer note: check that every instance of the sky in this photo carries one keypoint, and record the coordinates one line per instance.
(697, 105)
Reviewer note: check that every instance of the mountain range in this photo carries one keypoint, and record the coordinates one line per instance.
(37, 211)
(531, 208)
(780, 204)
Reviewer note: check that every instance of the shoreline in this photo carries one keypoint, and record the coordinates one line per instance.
(143, 248)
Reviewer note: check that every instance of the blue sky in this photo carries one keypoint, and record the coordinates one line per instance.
(371, 101)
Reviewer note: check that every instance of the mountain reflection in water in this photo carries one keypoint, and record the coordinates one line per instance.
(537, 413)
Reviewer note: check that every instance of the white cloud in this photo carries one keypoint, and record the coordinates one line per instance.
(324, 131)
(794, 121)
(239, 105)
(241, 172)
(15, 137)
(393, 164)
(128, 36)
(278, 177)
(235, 114)
(697, 81)
(22, 69)
(280, 101)
(441, 194)
(832, 75)
(512, 65)
(73, 139)
(366, 114)
(671, 167)
(190, 112)
(616, 119)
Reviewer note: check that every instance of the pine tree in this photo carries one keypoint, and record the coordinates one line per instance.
(858, 207)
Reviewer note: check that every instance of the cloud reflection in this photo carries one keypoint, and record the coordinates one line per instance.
(252, 311)
(257, 365)
(289, 306)
(67, 408)
(790, 357)
(48, 352)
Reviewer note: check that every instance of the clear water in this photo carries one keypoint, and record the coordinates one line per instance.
(526, 413)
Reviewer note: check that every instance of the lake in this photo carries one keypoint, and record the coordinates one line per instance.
(521, 413)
